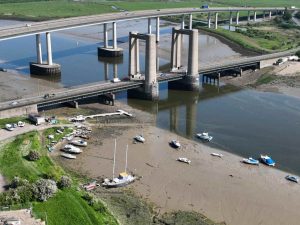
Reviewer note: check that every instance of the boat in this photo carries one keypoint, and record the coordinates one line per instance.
(139, 138)
(292, 178)
(267, 160)
(79, 143)
(204, 136)
(123, 179)
(72, 149)
(217, 154)
(251, 161)
(90, 186)
(9, 127)
(79, 118)
(175, 144)
(184, 160)
(68, 156)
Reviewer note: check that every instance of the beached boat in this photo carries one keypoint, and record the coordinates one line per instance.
(175, 144)
(184, 160)
(251, 161)
(292, 178)
(267, 160)
(139, 138)
(68, 156)
(72, 149)
(90, 186)
(204, 136)
(217, 154)
(79, 143)
(123, 179)
(9, 127)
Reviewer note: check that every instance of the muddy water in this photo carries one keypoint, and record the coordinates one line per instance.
(244, 122)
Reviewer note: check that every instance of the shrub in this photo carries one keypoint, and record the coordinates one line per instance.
(65, 182)
(44, 189)
(33, 156)
(298, 53)
(17, 182)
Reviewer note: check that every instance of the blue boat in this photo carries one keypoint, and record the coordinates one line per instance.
(267, 160)
(251, 161)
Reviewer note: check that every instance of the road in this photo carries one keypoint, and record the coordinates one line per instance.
(10, 32)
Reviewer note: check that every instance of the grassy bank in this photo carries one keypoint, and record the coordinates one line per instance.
(68, 205)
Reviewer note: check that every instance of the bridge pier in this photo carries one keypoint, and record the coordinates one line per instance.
(191, 79)
(40, 68)
(230, 18)
(157, 29)
(237, 17)
(191, 22)
(209, 20)
(249, 17)
(73, 104)
(270, 14)
(254, 17)
(216, 20)
(149, 26)
(106, 50)
(149, 90)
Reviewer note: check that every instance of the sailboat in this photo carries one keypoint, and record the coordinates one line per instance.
(123, 179)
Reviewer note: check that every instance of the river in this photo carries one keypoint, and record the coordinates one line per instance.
(244, 122)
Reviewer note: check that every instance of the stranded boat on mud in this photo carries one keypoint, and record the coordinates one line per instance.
(68, 156)
(204, 136)
(292, 178)
(79, 143)
(251, 161)
(267, 160)
(72, 149)
(139, 138)
(175, 144)
(217, 154)
(184, 160)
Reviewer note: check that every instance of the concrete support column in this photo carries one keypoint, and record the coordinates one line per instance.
(254, 18)
(38, 49)
(157, 29)
(230, 18)
(115, 70)
(137, 56)
(150, 67)
(49, 49)
(132, 55)
(182, 22)
(149, 26)
(191, 22)
(237, 17)
(209, 20)
(264, 15)
(115, 35)
(105, 36)
(193, 54)
(106, 77)
(176, 50)
(270, 15)
(249, 18)
(216, 20)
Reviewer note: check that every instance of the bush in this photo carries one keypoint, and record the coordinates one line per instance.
(298, 53)
(17, 182)
(297, 15)
(44, 189)
(33, 156)
(287, 16)
(65, 182)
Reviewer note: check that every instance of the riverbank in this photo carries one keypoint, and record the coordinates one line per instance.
(221, 189)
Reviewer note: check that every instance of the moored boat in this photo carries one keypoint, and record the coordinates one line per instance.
(68, 156)
(251, 161)
(175, 144)
(204, 136)
(184, 160)
(72, 149)
(267, 160)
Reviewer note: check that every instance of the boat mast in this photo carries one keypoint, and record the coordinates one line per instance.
(114, 158)
(126, 159)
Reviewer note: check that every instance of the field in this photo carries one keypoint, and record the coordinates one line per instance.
(62, 8)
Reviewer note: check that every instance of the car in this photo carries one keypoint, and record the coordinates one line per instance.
(115, 80)
(14, 103)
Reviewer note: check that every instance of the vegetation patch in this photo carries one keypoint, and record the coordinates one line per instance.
(12, 120)
(265, 79)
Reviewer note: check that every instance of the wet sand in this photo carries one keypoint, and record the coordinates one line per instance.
(222, 189)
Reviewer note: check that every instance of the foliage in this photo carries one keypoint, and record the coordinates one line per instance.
(33, 155)
(287, 16)
(12, 120)
(297, 15)
(298, 53)
(44, 189)
(65, 182)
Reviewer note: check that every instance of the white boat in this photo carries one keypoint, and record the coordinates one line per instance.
(72, 149)
(217, 154)
(9, 127)
(292, 178)
(68, 156)
(79, 118)
(123, 179)
(185, 160)
(267, 160)
(204, 136)
(139, 138)
(251, 161)
(175, 144)
(79, 143)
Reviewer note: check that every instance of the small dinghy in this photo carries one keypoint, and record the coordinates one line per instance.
(251, 161)
(79, 143)
(267, 160)
(217, 154)
(72, 149)
(68, 156)
(139, 138)
(184, 160)
(204, 136)
(175, 144)
(292, 178)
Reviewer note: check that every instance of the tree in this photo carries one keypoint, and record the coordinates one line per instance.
(297, 15)
(287, 16)
(298, 53)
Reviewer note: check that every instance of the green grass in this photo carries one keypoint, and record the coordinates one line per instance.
(57, 136)
(68, 207)
(12, 120)
(265, 79)
(14, 163)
